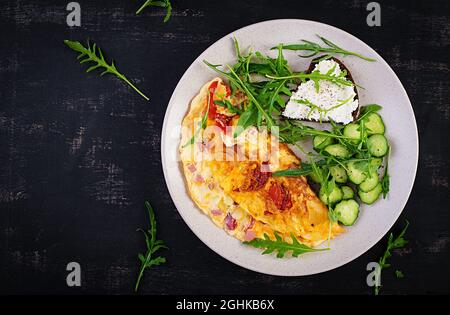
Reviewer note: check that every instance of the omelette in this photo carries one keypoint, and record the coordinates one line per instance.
(228, 174)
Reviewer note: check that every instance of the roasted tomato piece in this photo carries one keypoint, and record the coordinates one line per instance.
(280, 196)
(256, 179)
(222, 121)
(212, 107)
(217, 91)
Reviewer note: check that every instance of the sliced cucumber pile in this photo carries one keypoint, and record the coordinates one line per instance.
(351, 167)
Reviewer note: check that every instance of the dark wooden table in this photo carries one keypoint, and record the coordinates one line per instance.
(80, 154)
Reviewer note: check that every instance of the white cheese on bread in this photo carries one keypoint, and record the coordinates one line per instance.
(334, 102)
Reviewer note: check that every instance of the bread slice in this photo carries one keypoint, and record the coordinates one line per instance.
(310, 69)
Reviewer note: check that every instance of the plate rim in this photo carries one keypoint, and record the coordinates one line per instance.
(350, 258)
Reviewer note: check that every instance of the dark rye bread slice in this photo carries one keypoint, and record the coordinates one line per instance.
(355, 113)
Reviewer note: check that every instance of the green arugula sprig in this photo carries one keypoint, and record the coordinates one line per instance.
(393, 243)
(264, 97)
(239, 83)
(315, 167)
(95, 55)
(230, 107)
(368, 109)
(385, 181)
(317, 76)
(163, 4)
(322, 112)
(148, 260)
(293, 131)
(280, 246)
(315, 48)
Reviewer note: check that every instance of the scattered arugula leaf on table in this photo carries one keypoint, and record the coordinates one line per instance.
(393, 243)
(280, 246)
(95, 55)
(153, 245)
(163, 4)
(399, 274)
(315, 48)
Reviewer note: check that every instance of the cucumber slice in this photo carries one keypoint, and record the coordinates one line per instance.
(354, 174)
(314, 178)
(374, 124)
(347, 211)
(339, 174)
(347, 192)
(337, 150)
(320, 142)
(371, 196)
(335, 195)
(370, 182)
(376, 163)
(352, 131)
(377, 145)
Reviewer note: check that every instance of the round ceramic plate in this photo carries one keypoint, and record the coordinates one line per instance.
(381, 86)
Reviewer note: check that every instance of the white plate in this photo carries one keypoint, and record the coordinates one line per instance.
(381, 86)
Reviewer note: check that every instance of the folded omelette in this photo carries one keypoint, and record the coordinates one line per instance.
(228, 174)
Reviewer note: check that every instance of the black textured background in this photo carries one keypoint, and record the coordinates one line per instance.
(80, 154)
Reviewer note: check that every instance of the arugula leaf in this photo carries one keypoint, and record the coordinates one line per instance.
(202, 125)
(293, 131)
(153, 245)
(399, 274)
(293, 172)
(280, 246)
(163, 4)
(316, 76)
(226, 104)
(247, 119)
(315, 48)
(95, 55)
(314, 167)
(368, 109)
(393, 243)
(385, 181)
